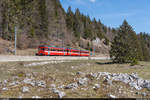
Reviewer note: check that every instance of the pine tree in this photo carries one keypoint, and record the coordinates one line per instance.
(124, 48)
(143, 40)
(70, 18)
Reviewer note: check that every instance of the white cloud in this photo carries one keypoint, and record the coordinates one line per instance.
(92, 1)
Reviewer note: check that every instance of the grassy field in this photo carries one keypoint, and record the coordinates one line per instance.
(65, 73)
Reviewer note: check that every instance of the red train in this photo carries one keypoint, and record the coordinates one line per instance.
(59, 51)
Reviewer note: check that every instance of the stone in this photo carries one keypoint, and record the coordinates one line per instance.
(41, 83)
(72, 86)
(61, 87)
(84, 89)
(5, 89)
(108, 81)
(96, 86)
(112, 96)
(80, 73)
(146, 84)
(14, 83)
(144, 94)
(134, 84)
(36, 97)
(134, 75)
(5, 81)
(83, 81)
(93, 75)
(20, 97)
(25, 89)
(29, 81)
(72, 67)
(140, 82)
(60, 93)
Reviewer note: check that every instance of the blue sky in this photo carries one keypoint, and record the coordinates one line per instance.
(113, 12)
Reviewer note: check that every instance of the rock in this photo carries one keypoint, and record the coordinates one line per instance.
(72, 86)
(5, 82)
(96, 86)
(93, 75)
(112, 96)
(41, 83)
(102, 74)
(146, 84)
(108, 81)
(134, 84)
(60, 93)
(5, 89)
(84, 89)
(36, 97)
(29, 81)
(14, 83)
(121, 77)
(134, 75)
(20, 97)
(80, 73)
(83, 81)
(140, 82)
(144, 94)
(25, 89)
(72, 67)
(61, 87)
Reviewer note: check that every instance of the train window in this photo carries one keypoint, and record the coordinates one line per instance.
(43, 49)
(48, 49)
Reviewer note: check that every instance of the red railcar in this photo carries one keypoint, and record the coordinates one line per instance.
(59, 51)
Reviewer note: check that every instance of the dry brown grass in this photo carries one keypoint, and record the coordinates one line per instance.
(64, 73)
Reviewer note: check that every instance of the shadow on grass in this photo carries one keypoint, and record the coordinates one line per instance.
(105, 63)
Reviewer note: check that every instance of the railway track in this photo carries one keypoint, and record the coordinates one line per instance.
(4, 58)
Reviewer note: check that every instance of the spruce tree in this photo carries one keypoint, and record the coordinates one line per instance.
(124, 48)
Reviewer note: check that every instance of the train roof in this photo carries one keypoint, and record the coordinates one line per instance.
(60, 47)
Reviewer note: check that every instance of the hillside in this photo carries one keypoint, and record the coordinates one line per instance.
(46, 22)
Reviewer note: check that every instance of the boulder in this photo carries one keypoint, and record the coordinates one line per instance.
(80, 73)
(135, 85)
(146, 84)
(83, 81)
(144, 94)
(72, 86)
(108, 81)
(96, 86)
(29, 81)
(112, 96)
(36, 97)
(41, 83)
(60, 93)
(5, 89)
